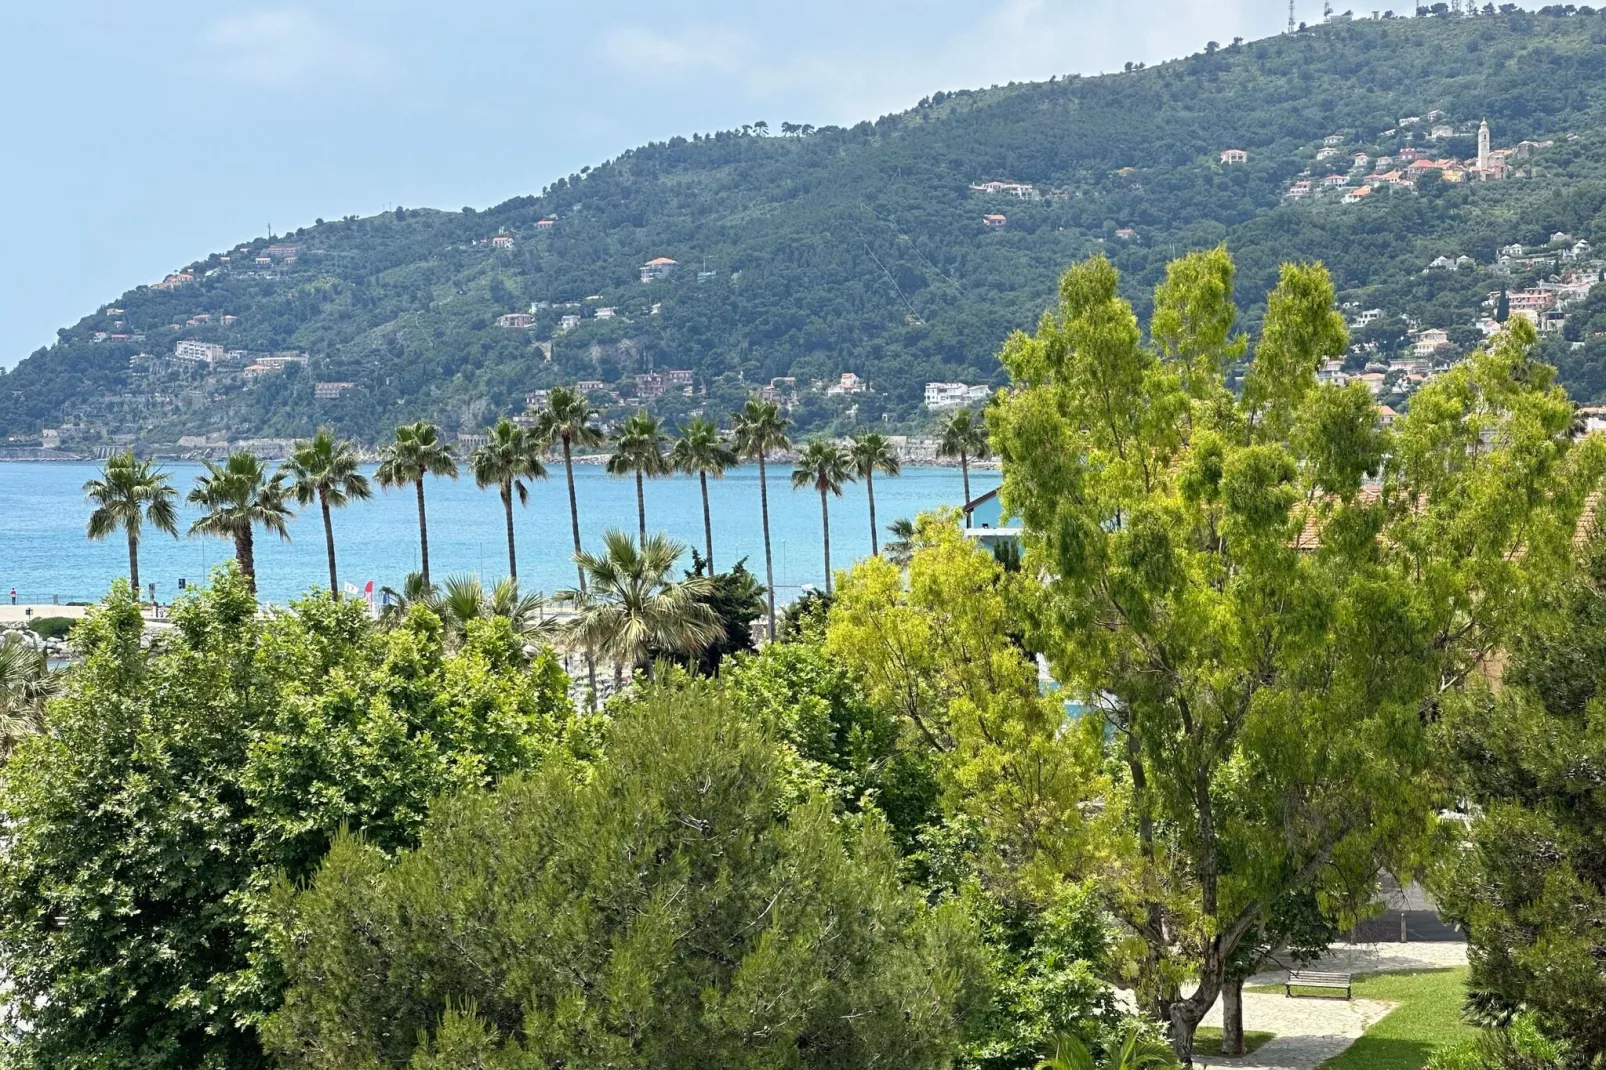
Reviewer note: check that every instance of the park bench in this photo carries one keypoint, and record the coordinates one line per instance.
(1317, 979)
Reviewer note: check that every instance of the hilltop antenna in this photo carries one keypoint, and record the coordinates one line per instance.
(1290, 16)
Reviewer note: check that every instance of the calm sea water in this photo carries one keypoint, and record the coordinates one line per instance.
(44, 554)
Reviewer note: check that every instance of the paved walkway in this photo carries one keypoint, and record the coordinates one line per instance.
(1312, 1030)
(1309, 1031)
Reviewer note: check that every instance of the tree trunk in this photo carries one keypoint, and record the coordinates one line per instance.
(133, 563)
(708, 524)
(507, 507)
(964, 474)
(574, 522)
(1186, 1014)
(245, 554)
(825, 526)
(1232, 1017)
(591, 675)
(641, 507)
(423, 534)
(869, 487)
(769, 561)
(329, 543)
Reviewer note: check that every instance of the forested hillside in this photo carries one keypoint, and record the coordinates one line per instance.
(810, 252)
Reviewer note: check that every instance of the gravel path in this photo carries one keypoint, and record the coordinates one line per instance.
(1309, 1031)
(1312, 1030)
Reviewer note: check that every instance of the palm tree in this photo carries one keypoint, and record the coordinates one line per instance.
(1069, 1054)
(238, 495)
(761, 429)
(964, 436)
(129, 493)
(640, 450)
(326, 471)
(506, 461)
(703, 453)
(417, 452)
(26, 684)
(569, 419)
(464, 598)
(825, 466)
(901, 550)
(872, 453)
(395, 605)
(633, 606)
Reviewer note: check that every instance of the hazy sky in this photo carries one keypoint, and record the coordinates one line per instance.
(136, 137)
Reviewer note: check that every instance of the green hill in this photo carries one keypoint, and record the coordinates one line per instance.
(808, 253)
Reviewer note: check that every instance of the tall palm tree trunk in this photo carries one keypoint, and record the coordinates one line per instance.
(964, 474)
(245, 554)
(329, 543)
(708, 524)
(133, 563)
(423, 533)
(825, 526)
(574, 522)
(507, 507)
(641, 507)
(869, 488)
(769, 560)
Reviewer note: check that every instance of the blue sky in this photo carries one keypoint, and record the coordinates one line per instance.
(141, 136)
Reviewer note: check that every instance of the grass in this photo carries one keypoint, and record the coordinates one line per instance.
(1428, 1017)
(1207, 1040)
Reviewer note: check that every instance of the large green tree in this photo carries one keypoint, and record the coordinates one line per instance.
(417, 451)
(145, 828)
(129, 494)
(1267, 596)
(1527, 878)
(328, 471)
(238, 496)
(686, 906)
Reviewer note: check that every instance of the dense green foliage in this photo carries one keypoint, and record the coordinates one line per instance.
(1269, 593)
(863, 248)
(1529, 882)
(682, 908)
(174, 784)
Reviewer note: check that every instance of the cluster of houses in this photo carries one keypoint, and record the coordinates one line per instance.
(1405, 169)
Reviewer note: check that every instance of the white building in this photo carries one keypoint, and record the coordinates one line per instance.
(1428, 342)
(850, 383)
(203, 352)
(940, 396)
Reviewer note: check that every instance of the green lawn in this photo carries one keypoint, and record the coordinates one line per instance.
(1207, 1040)
(1428, 1016)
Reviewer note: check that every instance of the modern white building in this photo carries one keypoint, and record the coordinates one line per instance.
(202, 352)
(940, 396)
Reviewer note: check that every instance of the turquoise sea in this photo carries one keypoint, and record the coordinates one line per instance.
(45, 556)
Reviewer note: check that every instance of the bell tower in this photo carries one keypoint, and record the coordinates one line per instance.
(1483, 145)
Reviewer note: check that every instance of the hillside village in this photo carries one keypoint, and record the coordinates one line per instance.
(881, 294)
